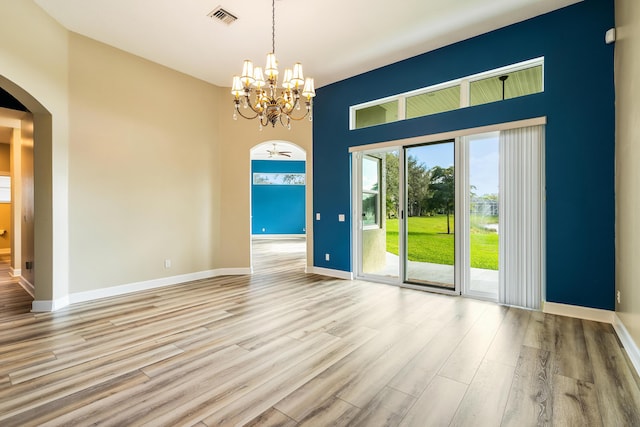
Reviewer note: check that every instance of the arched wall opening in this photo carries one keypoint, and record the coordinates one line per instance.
(40, 269)
(278, 193)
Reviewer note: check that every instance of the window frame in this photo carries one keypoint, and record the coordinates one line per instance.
(376, 193)
(463, 82)
(7, 187)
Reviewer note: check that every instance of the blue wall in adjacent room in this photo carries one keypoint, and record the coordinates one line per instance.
(578, 102)
(278, 209)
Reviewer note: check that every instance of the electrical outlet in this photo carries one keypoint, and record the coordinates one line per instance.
(167, 263)
(618, 297)
(326, 257)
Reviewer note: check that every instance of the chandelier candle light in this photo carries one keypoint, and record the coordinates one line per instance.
(270, 103)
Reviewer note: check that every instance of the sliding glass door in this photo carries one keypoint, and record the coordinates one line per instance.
(482, 218)
(430, 213)
(457, 216)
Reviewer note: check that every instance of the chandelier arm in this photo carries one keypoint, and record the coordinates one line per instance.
(293, 100)
(264, 120)
(272, 104)
(281, 119)
(258, 112)
(250, 105)
(239, 111)
(299, 118)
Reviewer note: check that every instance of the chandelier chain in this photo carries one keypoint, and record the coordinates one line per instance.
(272, 103)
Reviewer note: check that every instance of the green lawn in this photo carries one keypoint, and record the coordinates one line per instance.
(428, 242)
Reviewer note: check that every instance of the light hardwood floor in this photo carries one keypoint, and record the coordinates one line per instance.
(13, 299)
(285, 348)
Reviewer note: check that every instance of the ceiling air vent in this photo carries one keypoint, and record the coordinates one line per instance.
(222, 15)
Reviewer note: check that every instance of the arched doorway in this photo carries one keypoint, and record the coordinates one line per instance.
(278, 205)
(37, 243)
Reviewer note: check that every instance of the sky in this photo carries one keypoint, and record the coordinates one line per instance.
(483, 160)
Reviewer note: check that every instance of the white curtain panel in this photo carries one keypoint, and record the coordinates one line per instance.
(521, 216)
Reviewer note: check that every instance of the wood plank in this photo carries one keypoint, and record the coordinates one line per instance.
(279, 385)
(437, 404)
(50, 411)
(21, 397)
(618, 395)
(575, 403)
(361, 388)
(531, 396)
(418, 372)
(505, 347)
(270, 418)
(387, 408)
(299, 404)
(464, 361)
(484, 402)
(221, 390)
(333, 411)
(176, 382)
(281, 347)
(564, 337)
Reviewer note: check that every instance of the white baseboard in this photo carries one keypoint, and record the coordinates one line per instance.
(240, 271)
(39, 306)
(15, 272)
(587, 313)
(329, 272)
(27, 286)
(152, 284)
(598, 315)
(277, 236)
(48, 305)
(628, 343)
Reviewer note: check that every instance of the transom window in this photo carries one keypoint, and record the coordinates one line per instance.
(512, 81)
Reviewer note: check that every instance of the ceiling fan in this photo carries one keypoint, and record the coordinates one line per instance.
(275, 152)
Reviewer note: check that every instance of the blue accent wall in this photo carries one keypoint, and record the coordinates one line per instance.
(278, 209)
(578, 102)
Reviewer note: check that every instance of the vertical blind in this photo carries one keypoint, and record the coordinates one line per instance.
(521, 216)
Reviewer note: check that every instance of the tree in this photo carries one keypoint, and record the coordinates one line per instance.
(293, 179)
(392, 198)
(418, 186)
(442, 191)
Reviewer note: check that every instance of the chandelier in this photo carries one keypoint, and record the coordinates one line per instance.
(266, 101)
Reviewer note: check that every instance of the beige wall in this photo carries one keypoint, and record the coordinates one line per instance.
(34, 69)
(627, 76)
(144, 174)
(237, 137)
(26, 200)
(133, 163)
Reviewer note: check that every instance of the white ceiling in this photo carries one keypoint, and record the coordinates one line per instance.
(334, 39)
